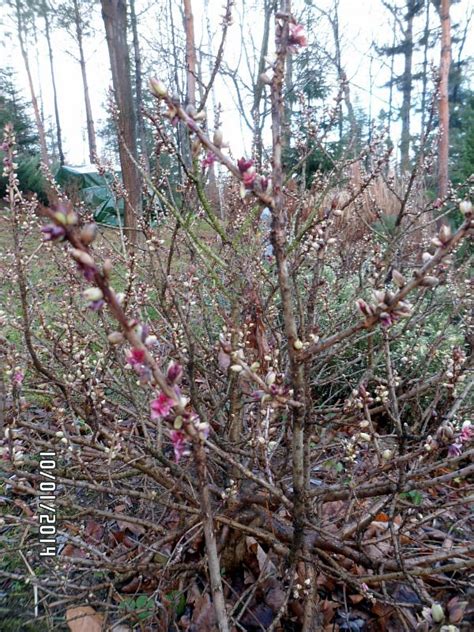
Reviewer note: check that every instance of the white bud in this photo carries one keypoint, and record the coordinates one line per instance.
(93, 294)
(236, 368)
(218, 138)
(158, 88)
(437, 613)
(297, 344)
(466, 207)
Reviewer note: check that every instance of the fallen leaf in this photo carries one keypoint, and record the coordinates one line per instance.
(84, 619)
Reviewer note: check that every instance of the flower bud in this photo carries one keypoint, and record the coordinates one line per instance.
(297, 344)
(444, 234)
(270, 378)
(60, 218)
(150, 341)
(93, 294)
(236, 368)
(218, 138)
(115, 338)
(387, 455)
(466, 207)
(82, 257)
(429, 281)
(71, 218)
(437, 612)
(88, 233)
(107, 267)
(398, 278)
(364, 436)
(158, 88)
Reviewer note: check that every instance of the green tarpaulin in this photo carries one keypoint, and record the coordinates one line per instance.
(90, 187)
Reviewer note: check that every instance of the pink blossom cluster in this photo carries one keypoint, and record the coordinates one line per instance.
(296, 38)
(162, 408)
(465, 436)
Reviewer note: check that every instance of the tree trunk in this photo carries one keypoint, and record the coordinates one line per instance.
(53, 82)
(406, 90)
(34, 100)
(114, 14)
(392, 66)
(87, 102)
(426, 43)
(445, 62)
(257, 149)
(190, 54)
(141, 131)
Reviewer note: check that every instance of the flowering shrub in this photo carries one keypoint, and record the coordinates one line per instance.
(241, 441)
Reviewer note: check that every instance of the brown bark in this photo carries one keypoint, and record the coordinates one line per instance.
(259, 87)
(279, 242)
(53, 83)
(87, 102)
(445, 62)
(34, 100)
(138, 87)
(406, 91)
(190, 54)
(114, 14)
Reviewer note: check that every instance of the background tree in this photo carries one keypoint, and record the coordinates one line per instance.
(46, 13)
(114, 14)
(443, 104)
(76, 18)
(23, 15)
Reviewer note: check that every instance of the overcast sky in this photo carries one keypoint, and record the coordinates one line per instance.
(361, 23)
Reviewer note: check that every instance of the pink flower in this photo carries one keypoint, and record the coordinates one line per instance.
(296, 38)
(136, 357)
(467, 432)
(161, 406)
(179, 441)
(18, 378)
(248, 177)
(244, 165)
(174, 373)
(209, 160)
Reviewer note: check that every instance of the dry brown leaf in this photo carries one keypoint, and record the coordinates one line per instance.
(84, 619)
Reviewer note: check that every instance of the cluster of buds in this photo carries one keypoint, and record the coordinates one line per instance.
(62, 218)
(454, 373)
(359, 398)
(276, 388)
(11, 447)
(8, 146)
(443, 238)
(305, 589)
(383, 300)
(446, 434)
(136, 357)
(250, 179)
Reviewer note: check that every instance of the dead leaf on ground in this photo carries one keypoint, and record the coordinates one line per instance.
(84, 619)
